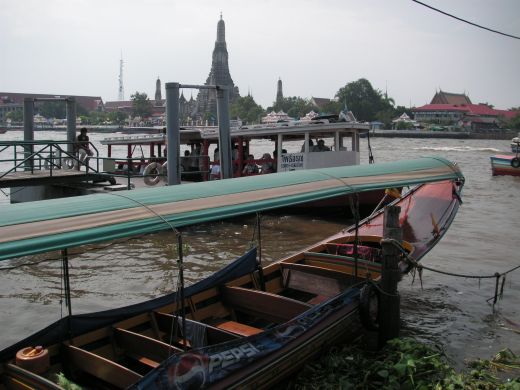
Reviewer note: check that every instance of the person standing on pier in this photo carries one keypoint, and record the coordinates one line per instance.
(83, 145)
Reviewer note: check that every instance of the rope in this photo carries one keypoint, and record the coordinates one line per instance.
(497, 275)
(173, 329)
(378, 287)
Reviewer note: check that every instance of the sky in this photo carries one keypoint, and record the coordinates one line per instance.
(316, 47)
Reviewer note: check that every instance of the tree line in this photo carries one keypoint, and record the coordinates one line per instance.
(367, 103)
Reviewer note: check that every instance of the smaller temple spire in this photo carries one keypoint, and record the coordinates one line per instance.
(158, 96)
(279, 91)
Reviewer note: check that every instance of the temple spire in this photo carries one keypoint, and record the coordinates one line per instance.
(221, 30)
(158, 96)
(279, 91)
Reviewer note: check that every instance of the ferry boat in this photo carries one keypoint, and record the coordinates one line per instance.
(257, 149)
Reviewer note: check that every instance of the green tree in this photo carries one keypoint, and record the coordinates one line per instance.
(332, 107)
(514, 123)
(246, 109)
(141, 104)
(363, 100)
(53, 110)
(15, 116)
(97, 117)
(117, 117)
(293, 106)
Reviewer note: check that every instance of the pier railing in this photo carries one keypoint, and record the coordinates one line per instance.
(45, 156)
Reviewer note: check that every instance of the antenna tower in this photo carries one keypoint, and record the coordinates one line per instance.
(121, 88)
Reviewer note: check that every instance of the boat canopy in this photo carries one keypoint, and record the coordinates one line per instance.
(42, 226)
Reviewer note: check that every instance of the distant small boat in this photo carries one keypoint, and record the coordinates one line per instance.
(503, 164)
(515, 145)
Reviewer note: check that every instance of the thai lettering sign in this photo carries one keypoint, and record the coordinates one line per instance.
(292, 161)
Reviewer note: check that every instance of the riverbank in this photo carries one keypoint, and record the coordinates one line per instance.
(405, 363)
(499, 135)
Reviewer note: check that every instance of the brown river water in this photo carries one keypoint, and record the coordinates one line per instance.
(453, 312)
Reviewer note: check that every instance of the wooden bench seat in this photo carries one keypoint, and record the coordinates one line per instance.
(146, 350)
(238, 328)
(99, 367)
(262, 304)
(320, 281)
(214, 335)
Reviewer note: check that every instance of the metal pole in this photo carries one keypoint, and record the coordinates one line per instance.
(173, 135)
(66, 278)
(71, 123)
(224, 136)
(389, 311)
(181, 277)
(28, 131)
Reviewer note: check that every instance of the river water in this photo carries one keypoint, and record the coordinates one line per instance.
(451, 311)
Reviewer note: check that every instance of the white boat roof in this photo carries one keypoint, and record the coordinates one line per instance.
(293, 129)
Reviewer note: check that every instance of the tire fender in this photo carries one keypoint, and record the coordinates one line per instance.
(369, 300)
(148, 174)
(515, 162)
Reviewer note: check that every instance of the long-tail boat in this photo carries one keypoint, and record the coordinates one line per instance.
(245, 326)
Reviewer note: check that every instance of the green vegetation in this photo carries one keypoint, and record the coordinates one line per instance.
(15, 116)
(142, 105)
(246, 109)
(294, 106)
(405, 364)
(58, 110)
(514, 123)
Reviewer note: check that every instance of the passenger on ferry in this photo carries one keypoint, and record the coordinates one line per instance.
(321, 147)
(267, 165)
(215, 172)
(194, 158)
(185, 161)
(216, 156)
(250, 168)
(311, 146)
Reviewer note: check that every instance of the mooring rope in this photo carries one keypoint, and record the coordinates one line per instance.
(413, 263)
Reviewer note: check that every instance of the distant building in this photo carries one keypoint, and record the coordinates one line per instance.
(218, 75)
(275, 117)
(468, 116)
(320, 103)
(442, 97)
(194, 111)
(404, 121)
(13, 101)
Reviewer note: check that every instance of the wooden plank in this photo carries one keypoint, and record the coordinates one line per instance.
(213, 334)
(239, 328)
(363, 271)
(215, 310)
(262, 304)
(316, 280)
(339, 259)
(18, 378)
(104, 369)
(133, 321)
(140, 346)
(91, 337)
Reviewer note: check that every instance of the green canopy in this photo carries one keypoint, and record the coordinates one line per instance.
(36, 227)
